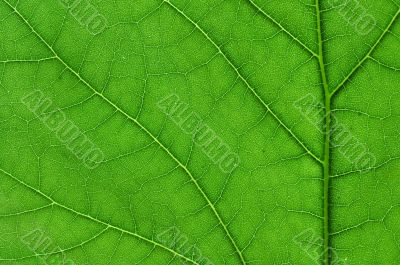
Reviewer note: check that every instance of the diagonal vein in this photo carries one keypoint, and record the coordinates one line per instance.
(240, 75)
(108, 225)
(154, 138)
(274, 21)
(27, 211)
(59, 250)
(368, 55)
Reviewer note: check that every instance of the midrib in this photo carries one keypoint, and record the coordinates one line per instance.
(326, 161)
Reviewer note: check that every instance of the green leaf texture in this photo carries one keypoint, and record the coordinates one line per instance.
(159, 197)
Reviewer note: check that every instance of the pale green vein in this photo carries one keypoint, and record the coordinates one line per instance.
(192, 178)
(108, 225)
(357, 226)
(244, 80)
(367, 170)
(297, 40)
(27, 211)
(385, 65)
(326, 166)
(27, 60)
(347, 229)
(60, 251)
(368, 55)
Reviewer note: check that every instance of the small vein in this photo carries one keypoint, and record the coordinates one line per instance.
(27, 211)
(353, 227)
(239, 74)
(27, 60)
(385, 65)
(369, 220)
(367, 170)
(108, 225)
(368, 55)
(63, 251)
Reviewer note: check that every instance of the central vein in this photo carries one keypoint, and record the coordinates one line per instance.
(326, 161)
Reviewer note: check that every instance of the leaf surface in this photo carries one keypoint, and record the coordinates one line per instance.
(158, 196)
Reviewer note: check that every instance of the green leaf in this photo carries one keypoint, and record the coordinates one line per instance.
(199, 132)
